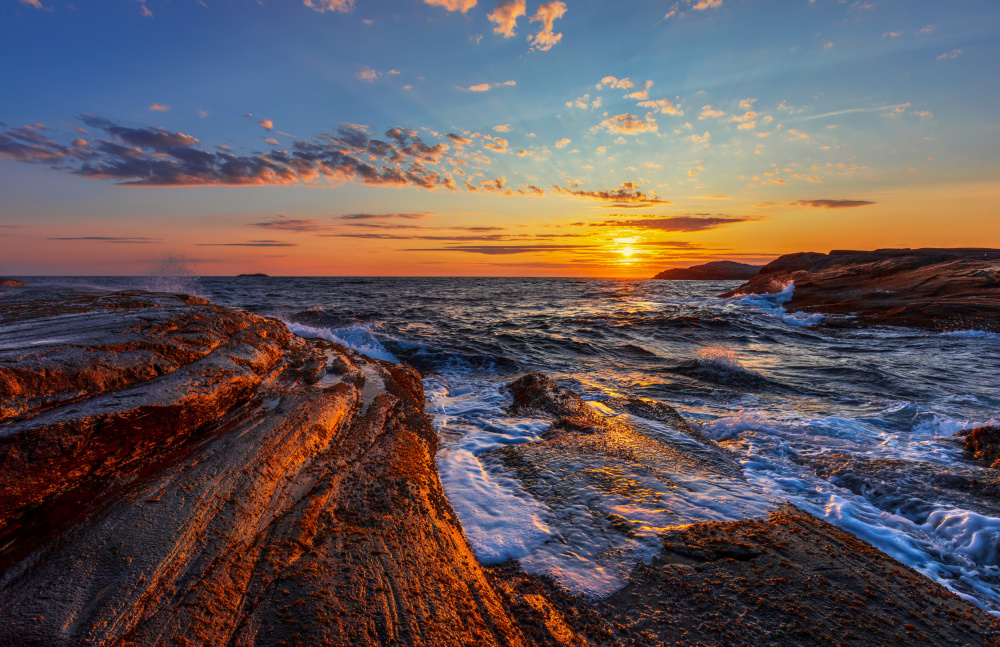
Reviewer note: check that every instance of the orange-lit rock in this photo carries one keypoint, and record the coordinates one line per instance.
(939, 289)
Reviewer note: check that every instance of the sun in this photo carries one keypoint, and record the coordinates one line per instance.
(628, 251)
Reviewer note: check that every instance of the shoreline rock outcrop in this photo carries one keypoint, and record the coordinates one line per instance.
(11, 283)
(713, 271)
(174, 472)
(937, 289)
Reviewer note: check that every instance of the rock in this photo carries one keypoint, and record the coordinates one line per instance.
(787, 580)
(714, 271)
(11, 283)
(257, 275)
(984, 443)
(937, 289)
(192, 474)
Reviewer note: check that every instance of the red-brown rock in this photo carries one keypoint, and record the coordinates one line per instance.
(938, 289)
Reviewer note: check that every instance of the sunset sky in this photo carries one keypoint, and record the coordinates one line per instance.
(456, 137)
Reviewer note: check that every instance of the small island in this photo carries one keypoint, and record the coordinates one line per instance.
(714, 271)
(257, 275)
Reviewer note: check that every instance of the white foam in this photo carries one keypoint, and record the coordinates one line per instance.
(773, 304)
(360, 338)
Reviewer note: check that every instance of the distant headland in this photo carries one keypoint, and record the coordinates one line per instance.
(714, 271)
(253, 276)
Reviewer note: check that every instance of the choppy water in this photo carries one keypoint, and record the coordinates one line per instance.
(783, 395)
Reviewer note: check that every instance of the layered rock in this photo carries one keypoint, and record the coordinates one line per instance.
(714, 271)
(175, 472)
(11, 283)
(938, 289)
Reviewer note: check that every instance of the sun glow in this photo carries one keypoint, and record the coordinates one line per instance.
(628, 251)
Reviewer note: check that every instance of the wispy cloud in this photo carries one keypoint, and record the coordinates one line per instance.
(505, 17)
(629, 124)
(292, 224)
(483, 87)
(385, 216)
(156, 107)
(887, 109)
(503, 250)
(341, 6)
(251, 243)
(627, 193)
(955, 53)
(677, 223)
(159, 157)
(453, 5)
(111, 239)
(266, 124)
(832, 204)
(547, 14)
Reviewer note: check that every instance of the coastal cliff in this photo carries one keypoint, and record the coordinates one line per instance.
(174, 472)
(938, 289)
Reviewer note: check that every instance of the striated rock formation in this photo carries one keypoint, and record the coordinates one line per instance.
(714, 271)
(939, 289)
(174, 472)
(11, 283)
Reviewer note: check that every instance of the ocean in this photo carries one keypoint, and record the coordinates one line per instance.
(853, 425)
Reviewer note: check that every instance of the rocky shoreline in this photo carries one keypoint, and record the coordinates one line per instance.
(173, 472)
(937, 289)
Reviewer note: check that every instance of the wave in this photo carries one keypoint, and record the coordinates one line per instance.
(773, 305)
(358, 337)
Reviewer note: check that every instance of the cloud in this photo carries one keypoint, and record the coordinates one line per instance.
(452, 5)
(612, 82)
(505, 16)
(341, 6)
(702, 141)
(929, 29)
(677, 223)
(564, 142)
(502, 250)
(665, 106)
(267, 124)
(697, 5)
(707, 112)
(627, 193)
(495, 144)
(547, 13)
(628, 124)
(112, 239)
(832, 204)
(156, 107)
(251, 243)
(483, 87)
(290, 224)
(368, 74)
(33, 3)
(886, 109)
(159, 157)
(955, 53)
(502, 128)
(384, 216)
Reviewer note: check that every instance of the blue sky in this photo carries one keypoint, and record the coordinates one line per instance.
(555, 138)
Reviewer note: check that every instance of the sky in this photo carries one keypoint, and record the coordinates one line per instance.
(471, 138)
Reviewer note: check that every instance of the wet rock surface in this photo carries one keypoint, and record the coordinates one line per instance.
(193, 474)
(937, 289)
(984, 444)
(11, 283)
(787, 580)
(714, 271)
(174, 472)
